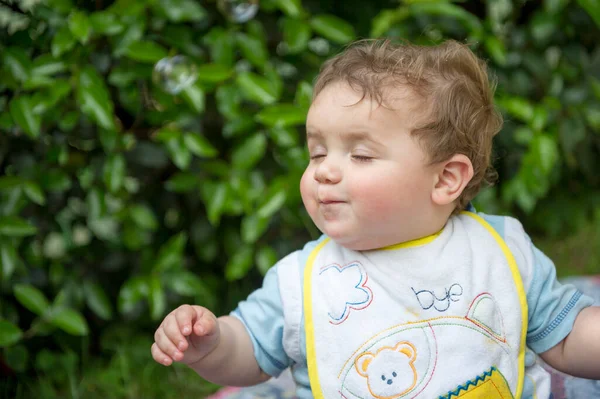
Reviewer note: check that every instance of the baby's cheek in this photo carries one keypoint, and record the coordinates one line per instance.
(376, 199)
(306, 191)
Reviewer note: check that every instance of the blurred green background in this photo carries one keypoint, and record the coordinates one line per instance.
(129, 186)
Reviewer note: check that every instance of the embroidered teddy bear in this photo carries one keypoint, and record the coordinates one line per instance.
(390, 372)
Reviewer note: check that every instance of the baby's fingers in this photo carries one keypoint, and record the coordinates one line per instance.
(167, 338)
(160, 356)
(206, 324)
(186, 315)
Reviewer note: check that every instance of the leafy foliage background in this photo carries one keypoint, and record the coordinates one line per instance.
(120, 201)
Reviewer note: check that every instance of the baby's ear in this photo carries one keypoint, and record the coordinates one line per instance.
(453, 176)
(362, 363)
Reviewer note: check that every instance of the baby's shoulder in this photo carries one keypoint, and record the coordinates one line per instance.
(507, 227)
(518, 242)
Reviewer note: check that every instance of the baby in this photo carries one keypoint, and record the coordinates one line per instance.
(409, 292)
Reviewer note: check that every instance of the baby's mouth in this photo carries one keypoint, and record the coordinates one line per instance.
(330, 202)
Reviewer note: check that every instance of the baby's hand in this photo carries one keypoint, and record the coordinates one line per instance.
(186, 335)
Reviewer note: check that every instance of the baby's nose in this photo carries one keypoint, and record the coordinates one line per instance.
(328, 173)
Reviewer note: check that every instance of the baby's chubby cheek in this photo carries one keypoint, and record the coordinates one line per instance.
(375, 200)
(308, 194)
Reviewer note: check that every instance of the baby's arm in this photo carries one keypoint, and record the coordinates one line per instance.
(219, 350)
(579, 353)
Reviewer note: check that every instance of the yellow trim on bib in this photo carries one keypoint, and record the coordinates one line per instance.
(514, 269)
(309, 327)
(413, 243)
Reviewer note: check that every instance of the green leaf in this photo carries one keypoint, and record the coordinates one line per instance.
(214, 73)
(296, 34)
(592, 7)
(171, 254)
(253, 227)
(9, 259)
(106, 23)
(292, 8)
(180, 154)
(386, 19)
(518, 107)
(239, 264)
(194, 96)
(62, 41)
(274, 79)
(183, 182)
(181, 10)
(114, 172)
(256, 88)
(222, 46)
(146, 51)
(156, 298)
(285, 137)
(132, 292)
(143, 217)
(282, 115)
(470, 21)
(31, 298)
(266, 257)
(333, 28)
(21, 111)
(17, 63)
(215, 196)
(253, 49)
(272, 203)
(229, 98)
(47, 65)
(547, 152)
(97, 300)
(8, 183)
(80, 27)
(70, 321)
(16, 227)
(185, 283)
(94, 98)
(496, 49)
(304, 94)
(133, 33)
(199, 145)
(9, 334)
(246, 155)
(35, 193)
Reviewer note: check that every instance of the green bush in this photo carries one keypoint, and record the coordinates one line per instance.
(120, 200)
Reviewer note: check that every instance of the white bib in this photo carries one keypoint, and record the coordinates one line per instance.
(439, 317)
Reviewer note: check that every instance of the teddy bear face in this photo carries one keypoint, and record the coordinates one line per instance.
(390, 372)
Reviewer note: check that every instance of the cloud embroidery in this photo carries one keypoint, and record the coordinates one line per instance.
(345, 288)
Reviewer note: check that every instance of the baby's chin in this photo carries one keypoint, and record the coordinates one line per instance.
(355, 243)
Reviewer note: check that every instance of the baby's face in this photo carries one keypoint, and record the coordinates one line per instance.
(368, 184)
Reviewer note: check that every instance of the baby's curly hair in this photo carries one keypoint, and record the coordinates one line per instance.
(452, 85)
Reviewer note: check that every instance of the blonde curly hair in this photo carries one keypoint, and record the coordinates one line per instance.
(455, 93)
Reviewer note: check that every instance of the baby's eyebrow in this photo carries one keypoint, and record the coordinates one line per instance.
(357, 137)
(351, 136)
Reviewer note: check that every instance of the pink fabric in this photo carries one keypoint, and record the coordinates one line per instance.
(224, 393)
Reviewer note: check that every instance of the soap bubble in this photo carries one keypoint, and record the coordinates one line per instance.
(174, 74)
(239, 11)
